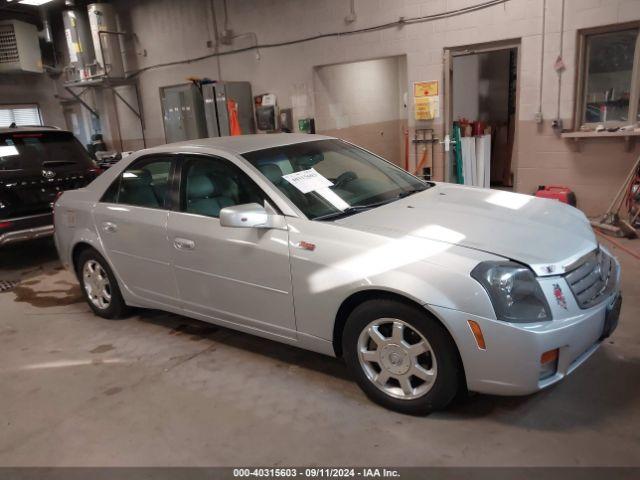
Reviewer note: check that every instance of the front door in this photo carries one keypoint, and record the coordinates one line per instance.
(132, 223)
(235, 275)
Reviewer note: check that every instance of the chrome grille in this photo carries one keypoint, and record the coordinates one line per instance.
(592, 279)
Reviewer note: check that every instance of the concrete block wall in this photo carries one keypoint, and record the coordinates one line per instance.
(33, 88)
(172, 31)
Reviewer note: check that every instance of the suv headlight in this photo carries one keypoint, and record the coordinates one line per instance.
(514, 292)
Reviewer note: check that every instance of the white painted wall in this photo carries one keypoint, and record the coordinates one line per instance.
(33, 88)
(169, 30)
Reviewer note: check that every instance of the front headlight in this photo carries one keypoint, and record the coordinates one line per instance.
(515, 294)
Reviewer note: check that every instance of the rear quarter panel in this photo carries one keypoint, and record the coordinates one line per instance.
(73, 221)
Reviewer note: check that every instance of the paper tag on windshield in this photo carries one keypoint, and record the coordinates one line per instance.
(307, 180)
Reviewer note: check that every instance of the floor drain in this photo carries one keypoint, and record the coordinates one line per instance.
(6, 285)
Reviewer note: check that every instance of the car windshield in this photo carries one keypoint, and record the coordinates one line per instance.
(41, 150)
(327, 179)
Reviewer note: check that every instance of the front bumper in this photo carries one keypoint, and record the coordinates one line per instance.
(26, 228)
(510, 365)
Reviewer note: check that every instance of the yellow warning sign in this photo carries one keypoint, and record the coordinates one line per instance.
(427, 108)
(425, 89)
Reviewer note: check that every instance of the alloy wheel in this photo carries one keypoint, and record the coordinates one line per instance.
(397, 358)
(96, 284)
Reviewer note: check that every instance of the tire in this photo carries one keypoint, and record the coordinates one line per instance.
(438, 365)
(115, 307)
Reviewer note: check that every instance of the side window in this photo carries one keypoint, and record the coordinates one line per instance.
(111, 195)
(211, 184)
(143, 184)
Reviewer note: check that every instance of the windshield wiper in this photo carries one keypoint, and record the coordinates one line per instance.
(406, 193)
(346, 212)
(361, 208)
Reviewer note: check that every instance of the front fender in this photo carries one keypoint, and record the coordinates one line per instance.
(346, 262)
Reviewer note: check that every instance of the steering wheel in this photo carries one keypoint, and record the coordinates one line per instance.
(344, 178)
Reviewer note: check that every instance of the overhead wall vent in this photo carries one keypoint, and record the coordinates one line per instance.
(8, 44)
(19, 47)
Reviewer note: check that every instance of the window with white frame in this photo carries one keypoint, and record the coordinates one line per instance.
(25, 114)
(609, 77)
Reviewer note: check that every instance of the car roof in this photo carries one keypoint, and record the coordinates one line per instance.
(31, 128)
(245, 143)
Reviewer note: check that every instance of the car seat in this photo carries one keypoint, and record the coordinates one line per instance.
(204, 196)
(137, 189)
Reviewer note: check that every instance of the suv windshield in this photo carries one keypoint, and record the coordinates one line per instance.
(327, 179)
(41, 150)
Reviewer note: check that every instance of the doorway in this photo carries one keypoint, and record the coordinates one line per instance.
(482, 113)
(365, 103)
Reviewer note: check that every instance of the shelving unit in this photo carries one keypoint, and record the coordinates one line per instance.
(106, 82)
(628, 137)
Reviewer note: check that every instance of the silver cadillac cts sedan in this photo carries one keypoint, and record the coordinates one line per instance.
(425, 289)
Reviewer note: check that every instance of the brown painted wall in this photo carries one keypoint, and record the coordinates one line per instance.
(384, 138)
(595, 172)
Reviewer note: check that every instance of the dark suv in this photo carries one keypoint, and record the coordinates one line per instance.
(36, 164)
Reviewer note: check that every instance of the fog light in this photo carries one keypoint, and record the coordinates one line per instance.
(549, 364)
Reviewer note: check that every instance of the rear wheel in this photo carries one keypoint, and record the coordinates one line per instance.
(99, 286)
(401, 357)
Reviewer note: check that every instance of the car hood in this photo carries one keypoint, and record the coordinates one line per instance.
(545, 234)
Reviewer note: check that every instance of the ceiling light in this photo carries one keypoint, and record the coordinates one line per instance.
(34, 2)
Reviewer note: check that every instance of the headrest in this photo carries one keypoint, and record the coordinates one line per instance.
(145, 176)
(138, 176)
(200, 187)
(272, 172)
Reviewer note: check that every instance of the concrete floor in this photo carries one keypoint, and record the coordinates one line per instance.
(158, 389)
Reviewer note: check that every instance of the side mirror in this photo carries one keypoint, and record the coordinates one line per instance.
(250, 215)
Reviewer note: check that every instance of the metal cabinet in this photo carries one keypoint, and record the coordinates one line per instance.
(183, 113)
(216, 106)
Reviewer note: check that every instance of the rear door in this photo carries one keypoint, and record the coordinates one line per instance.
(131, 219)
(35, 166)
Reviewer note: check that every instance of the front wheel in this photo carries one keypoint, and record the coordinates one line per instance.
(401, 357)
(99, 286)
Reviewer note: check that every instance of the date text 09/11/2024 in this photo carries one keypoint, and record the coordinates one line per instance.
(316, 472)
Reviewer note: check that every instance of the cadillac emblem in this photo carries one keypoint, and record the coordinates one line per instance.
(557, 292)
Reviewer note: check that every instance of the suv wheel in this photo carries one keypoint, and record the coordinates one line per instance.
(401, 357)
(99, 286)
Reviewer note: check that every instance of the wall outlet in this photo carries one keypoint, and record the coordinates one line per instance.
(556, 125)
(538, 117)
(350, 18)
(226, 37)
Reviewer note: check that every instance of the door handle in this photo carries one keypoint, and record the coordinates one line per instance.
(109, 227)
(184, 244)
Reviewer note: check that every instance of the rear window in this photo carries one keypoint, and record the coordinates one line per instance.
(42, 150)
